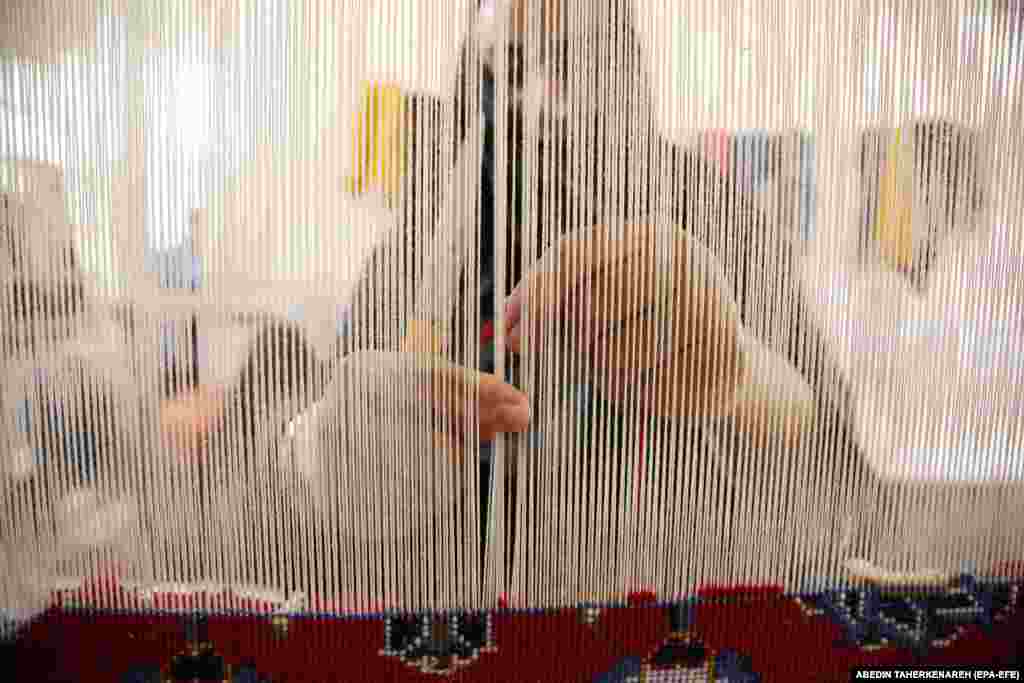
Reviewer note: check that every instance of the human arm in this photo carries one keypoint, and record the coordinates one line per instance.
(282, 376)
(639, 301)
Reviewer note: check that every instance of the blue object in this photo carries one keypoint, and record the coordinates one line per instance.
(142, 674)
(177, 267)
(627, 669)
(247, 675)
(753, 166)
(914, 617)
(733, 667)
(78, 447)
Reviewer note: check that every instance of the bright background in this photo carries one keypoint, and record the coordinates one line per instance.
(247, 108)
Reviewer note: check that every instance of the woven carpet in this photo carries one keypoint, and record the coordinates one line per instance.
(737, 634)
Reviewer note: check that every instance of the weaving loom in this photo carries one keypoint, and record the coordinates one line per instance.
(527, 340)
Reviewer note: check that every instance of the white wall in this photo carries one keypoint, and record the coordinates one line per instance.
(734, 63)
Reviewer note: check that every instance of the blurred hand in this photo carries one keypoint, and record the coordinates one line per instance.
(403, 384)
(630, 302)
(188, 419)
(450, 396)
(501, 407)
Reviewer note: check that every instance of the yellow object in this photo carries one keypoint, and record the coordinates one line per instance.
(380, 138)
(894, 228)
(423, 337)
